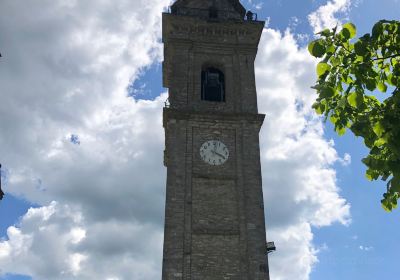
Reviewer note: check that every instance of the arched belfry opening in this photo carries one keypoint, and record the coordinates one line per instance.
(212, 84)
(213, 12)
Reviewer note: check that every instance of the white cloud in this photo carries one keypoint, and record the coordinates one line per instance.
(66, 68)
(77, 235)
(323, 247)
(46, 248)
(346, 160)
(64, 71)
(325, 16)
(365, 248)
(294, 247)
(43, 238)
(300, 186)
(256, 4)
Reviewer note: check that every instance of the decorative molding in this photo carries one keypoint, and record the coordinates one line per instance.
(175, 114)
(220, 32)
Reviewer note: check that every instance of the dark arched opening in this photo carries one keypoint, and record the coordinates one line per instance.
(213, 12)
(212, 85)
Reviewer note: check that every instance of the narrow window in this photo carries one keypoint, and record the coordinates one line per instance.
(212, 85)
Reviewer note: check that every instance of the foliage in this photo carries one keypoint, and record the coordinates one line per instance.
(358, 89)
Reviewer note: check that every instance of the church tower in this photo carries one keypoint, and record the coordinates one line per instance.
(214, 215)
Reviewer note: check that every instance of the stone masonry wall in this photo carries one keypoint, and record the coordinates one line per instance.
(215, 215)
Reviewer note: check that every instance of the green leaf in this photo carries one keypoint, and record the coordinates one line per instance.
(370, 84)
(326, 92)
(360, 48)
(359, 59)
(369, 175)
(392, 79)
(317, 48)
(394, 202)
(326, 32)
(333, 119)
(386, 206)
(382, 86)
(349, 80)
(318, 107)
(377, 30)
(345, 33)
(378, 129)
(335, 61)
(330, 49)
(340, 130)
(395, 184)
(380, 142)
(355, 99)
(351, 28)
(322, 68)
(342, 102)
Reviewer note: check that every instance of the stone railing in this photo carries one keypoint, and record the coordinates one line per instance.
(206, 13)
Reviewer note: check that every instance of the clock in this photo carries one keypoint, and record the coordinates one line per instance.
(214, 152)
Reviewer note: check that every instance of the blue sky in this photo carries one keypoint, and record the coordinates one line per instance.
(93, 71)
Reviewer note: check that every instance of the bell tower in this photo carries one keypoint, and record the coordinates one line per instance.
(214, 214)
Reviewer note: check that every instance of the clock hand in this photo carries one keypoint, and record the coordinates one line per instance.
(218, 154)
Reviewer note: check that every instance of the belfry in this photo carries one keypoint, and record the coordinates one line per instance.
(214, 214)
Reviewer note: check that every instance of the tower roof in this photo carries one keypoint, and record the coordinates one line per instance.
(228, 9)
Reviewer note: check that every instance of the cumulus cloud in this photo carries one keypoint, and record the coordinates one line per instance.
(299, 181)
(63, 78)
(65, 71)
(54, 242)
(326, 16)
(46, 233)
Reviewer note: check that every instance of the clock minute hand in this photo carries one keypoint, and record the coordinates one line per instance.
(219, 154)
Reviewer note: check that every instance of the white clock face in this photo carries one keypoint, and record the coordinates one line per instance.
(214, 152)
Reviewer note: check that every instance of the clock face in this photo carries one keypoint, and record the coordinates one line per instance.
(214, 152)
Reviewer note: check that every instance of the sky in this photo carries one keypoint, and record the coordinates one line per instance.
(81, 144)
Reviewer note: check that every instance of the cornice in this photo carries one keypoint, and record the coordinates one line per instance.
(170, 113)
(220, 32)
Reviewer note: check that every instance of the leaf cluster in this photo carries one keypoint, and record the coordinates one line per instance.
(358, 89)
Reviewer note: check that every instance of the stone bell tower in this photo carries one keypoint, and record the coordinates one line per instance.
(214, 215)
